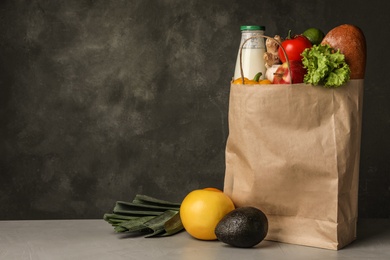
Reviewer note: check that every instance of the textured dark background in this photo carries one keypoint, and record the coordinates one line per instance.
(100, 100)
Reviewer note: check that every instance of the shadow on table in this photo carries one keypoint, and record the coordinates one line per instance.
(263, 244)
(369, 231)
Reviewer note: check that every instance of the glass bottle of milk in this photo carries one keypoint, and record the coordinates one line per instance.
(252, 52)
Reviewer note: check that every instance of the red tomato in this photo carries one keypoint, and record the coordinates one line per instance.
(294, 47)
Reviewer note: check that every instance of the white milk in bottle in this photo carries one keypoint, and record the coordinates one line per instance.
(252, 52)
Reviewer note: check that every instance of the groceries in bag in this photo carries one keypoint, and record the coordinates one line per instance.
(339, 57)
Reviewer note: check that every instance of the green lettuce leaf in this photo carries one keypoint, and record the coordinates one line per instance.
(325, 66)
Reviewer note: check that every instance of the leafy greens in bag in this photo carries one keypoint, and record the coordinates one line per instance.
(325, 66)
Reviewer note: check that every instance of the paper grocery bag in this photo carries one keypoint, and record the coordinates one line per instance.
(293, 151)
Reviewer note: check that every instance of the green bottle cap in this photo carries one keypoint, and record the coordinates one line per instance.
(252, 27)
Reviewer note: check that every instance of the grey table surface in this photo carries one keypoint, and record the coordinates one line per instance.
(95, 239)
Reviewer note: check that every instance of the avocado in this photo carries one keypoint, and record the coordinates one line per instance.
(243, 227)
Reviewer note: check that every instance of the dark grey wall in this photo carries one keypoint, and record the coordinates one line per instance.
(100, 100)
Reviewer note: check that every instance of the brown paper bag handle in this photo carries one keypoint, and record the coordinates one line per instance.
(266, 37)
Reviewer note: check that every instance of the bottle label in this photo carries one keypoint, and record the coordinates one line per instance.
(254, 43)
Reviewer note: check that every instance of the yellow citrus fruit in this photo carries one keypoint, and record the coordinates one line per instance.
(213, 189)
(202, 209)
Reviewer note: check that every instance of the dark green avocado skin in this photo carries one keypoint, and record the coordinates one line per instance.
(243, 227)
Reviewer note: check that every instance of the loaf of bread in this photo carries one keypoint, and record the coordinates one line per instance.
(350, 40)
